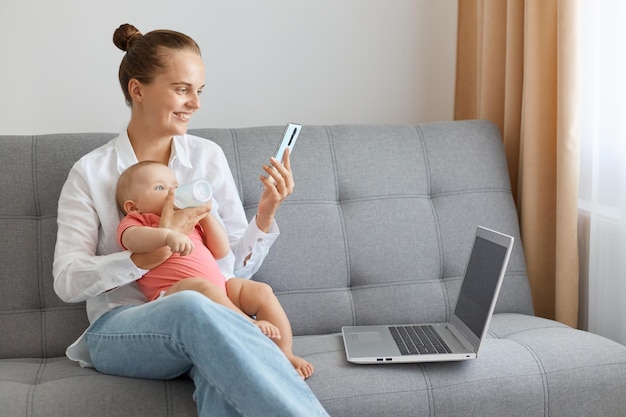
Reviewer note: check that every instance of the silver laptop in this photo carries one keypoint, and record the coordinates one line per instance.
(461, 337)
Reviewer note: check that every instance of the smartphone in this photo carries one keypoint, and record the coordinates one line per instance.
(290, 135)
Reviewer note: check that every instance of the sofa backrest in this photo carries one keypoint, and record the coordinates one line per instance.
(378, 229)
(34, 322)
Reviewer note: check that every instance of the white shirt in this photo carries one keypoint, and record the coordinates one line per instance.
(90, 266)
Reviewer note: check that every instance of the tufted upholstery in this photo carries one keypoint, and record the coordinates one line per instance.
(377, 230)
(380, 215)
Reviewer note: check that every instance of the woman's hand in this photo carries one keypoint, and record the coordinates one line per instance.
(183, 220)
(277, 186)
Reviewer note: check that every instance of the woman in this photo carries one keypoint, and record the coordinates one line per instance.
(162, 76)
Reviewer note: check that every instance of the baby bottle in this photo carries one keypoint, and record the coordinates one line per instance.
(194, 193)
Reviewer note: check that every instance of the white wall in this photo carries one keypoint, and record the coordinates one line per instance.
(268, 62)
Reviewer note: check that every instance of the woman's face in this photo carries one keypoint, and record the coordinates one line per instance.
(169, 101)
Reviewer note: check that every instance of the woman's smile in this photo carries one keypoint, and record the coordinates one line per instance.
(184, 116)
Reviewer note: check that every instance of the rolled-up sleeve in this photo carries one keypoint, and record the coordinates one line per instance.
(252, 249)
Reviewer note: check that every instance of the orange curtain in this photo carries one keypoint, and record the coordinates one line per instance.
(516, 66)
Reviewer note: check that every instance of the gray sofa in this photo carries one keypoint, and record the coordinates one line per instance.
(377, 230)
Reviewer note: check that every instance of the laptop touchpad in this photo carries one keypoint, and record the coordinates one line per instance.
(366, 337)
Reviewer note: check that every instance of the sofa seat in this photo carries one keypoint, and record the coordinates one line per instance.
(515, 362)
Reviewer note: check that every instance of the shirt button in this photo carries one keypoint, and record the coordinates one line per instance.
(259, 240)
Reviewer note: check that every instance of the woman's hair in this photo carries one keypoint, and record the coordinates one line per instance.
(146, 55)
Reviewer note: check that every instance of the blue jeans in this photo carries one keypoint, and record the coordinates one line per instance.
(237, 370)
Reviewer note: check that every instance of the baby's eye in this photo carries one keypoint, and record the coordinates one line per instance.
(159, 188)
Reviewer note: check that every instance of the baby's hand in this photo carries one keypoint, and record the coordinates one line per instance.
(179, 243)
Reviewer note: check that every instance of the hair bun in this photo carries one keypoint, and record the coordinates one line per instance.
(125, 35)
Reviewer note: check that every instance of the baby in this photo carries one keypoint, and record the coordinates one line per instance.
(141, 193)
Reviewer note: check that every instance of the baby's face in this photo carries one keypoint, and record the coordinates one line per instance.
(151, 186)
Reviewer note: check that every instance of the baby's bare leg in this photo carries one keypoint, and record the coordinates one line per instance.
(258, 299)
(233, 290)
(210, 290)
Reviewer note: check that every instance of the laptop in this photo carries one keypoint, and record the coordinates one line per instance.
(457, 340)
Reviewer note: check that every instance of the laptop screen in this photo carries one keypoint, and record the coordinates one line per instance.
(479, 285)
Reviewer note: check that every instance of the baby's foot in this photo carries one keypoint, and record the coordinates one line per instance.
(268, 329)
(303, 367)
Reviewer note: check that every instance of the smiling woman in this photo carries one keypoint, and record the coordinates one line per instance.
(162, 75)
(163, 107)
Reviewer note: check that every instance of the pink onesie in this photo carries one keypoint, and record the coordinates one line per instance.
(199, 263)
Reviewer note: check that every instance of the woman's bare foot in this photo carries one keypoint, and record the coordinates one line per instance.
(268, 329)
(303, 367)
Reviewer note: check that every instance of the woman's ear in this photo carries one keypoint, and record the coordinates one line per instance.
(130, 206)
(134, 89)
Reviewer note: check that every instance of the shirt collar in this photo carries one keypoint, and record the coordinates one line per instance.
(180, 152)
(126, 155)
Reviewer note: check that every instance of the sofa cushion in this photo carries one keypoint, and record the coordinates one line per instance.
(528, 366)
(58, 387)
(34, 322)
(382, 216)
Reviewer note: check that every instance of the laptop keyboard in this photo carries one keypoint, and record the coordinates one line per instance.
(415, 340)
